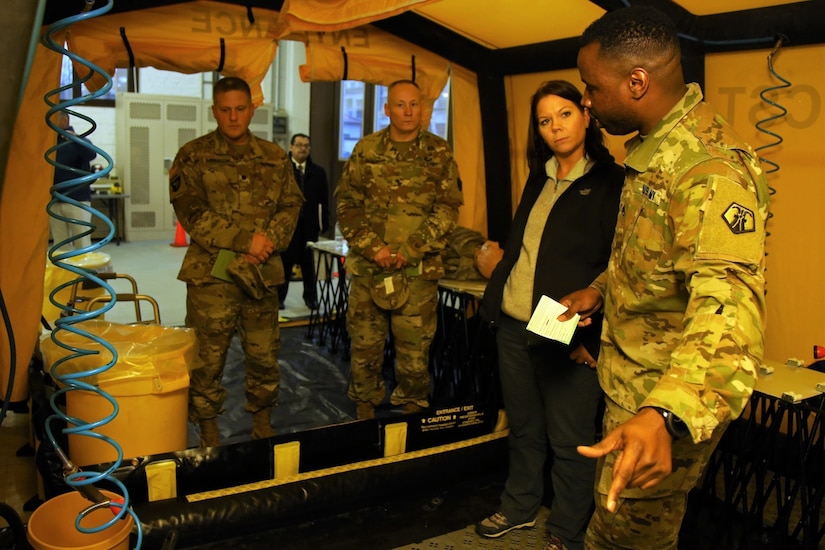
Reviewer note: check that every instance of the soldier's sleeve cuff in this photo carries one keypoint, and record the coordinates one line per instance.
(374, 248)
(242, 241)
(412, 255)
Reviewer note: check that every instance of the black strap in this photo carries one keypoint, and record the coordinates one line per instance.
(128, 47)
(129, 51)
(223, 55)
(249, 15)
(346, 62)
(413, 68)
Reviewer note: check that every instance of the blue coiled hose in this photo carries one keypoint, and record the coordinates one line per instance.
(82, 481)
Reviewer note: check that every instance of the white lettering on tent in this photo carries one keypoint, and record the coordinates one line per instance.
(349, 38)
(224, 23)
(805, 98)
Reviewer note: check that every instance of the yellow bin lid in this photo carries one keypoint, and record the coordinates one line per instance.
(151, 358)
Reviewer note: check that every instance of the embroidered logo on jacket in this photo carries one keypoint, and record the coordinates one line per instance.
(739, 219)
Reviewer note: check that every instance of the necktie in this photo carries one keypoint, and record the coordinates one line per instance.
(301, 176)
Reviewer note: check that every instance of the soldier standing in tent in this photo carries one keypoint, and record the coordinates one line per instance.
(397, 200)
(234, 192)
(684, 291)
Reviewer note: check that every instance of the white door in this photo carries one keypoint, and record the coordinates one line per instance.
(150, 130)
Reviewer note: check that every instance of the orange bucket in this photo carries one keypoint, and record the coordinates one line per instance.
(52, 525)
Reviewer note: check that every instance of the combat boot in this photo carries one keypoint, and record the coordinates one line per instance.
(262, 424)
(364, 410)
(209, 433)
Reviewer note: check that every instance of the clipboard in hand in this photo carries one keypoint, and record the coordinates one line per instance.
(219, 268)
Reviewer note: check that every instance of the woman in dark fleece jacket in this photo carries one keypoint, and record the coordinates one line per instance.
(559, 242)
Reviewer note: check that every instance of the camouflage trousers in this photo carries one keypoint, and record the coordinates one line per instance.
(646, 519)
(216, 311)
(413, 328)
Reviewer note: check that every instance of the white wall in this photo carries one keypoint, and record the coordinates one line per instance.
(292, 95)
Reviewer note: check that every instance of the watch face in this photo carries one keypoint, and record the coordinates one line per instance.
(675, 426)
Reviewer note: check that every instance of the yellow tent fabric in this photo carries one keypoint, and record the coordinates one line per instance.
(330, 15)
(469, 147)
(182, 37)
(368, 54)
(24, 222)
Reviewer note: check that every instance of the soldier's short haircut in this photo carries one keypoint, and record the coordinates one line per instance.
(640, 32)
(229, 84)
(403, 81)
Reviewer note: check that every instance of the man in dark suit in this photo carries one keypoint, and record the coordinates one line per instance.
(314, 219)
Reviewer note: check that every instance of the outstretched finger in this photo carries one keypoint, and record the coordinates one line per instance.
(611, 442)
(624, 470)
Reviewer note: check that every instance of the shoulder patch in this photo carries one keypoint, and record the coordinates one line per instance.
(732, 228)
(739, 219)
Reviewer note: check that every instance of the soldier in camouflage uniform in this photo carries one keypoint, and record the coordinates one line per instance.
(683, 294)
(233, 191)
(397, 199)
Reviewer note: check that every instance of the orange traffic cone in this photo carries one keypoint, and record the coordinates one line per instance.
(180, 237)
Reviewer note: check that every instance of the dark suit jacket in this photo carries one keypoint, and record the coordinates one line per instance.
(316, 193)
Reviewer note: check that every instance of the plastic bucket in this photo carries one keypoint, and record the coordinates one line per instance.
(149, 381)
(52, 526)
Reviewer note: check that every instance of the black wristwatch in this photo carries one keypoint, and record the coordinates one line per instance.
(674, 425)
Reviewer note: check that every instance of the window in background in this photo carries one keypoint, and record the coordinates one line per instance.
(351, 118)
(120, 83)
(149, 81)
(154, 81)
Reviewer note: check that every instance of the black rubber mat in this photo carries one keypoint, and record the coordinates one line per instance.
(313, 389)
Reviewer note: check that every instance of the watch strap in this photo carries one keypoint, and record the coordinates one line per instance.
(674, 425)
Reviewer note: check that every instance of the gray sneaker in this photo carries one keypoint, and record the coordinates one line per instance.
(498, 525)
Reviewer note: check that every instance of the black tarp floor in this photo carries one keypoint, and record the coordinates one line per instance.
(313, 390)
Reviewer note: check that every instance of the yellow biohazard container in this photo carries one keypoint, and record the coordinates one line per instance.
(149, 381)
(52, 525)
(56, 276)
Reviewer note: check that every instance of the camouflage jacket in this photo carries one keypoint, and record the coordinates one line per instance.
(684, 288)
(222, 200)
(407, 200)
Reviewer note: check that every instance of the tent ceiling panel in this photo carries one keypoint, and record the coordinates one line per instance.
(711, 7)
(496, 24)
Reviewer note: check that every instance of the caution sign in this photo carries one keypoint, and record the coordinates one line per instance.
(453, 417)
